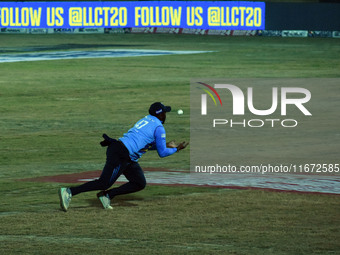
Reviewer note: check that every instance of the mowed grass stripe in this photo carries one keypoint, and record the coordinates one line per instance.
(249, 222)
(91, 241)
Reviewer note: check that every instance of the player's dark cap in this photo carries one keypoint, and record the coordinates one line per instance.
(157, 108)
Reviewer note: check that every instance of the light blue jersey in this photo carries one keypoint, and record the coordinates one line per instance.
(147, 133)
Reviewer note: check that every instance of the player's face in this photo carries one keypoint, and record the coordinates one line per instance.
(162, 117)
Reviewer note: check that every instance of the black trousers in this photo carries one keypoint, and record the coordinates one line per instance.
(117, 162)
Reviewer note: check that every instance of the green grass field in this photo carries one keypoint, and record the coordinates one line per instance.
(54, 112)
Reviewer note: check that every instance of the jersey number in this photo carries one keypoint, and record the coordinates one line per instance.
(141, 124)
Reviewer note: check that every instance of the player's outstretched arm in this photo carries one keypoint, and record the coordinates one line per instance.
(161, 145)
(171, 144)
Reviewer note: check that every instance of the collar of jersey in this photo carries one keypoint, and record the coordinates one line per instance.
(154, 119)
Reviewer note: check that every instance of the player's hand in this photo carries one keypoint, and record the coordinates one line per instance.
(105, 143)
(171, 144)
(182, 146)
(107, 140)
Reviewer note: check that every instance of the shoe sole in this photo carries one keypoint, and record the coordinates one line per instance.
(61, 201)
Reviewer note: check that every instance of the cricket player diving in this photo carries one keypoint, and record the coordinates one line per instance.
(122, 158)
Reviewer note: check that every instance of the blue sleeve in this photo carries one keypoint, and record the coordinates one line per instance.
(160, 138)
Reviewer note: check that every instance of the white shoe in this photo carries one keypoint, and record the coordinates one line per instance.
(65, 196)
(105, 200)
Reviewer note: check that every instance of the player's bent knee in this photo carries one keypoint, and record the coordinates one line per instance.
(141, 185)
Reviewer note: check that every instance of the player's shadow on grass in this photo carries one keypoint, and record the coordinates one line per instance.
(125, 200)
